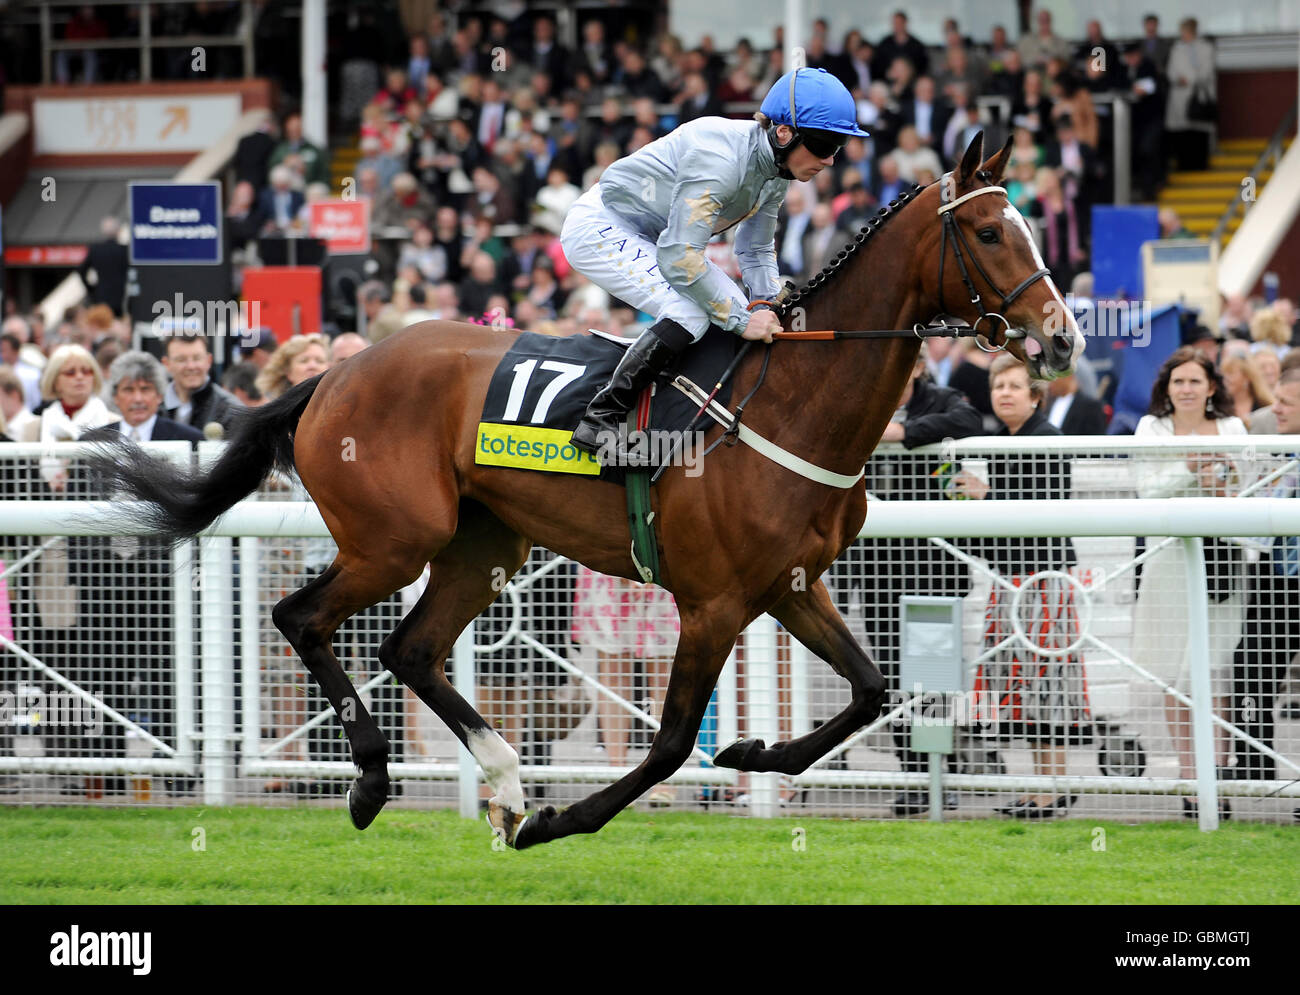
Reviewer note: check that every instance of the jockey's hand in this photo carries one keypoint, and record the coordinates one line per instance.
(762, 323)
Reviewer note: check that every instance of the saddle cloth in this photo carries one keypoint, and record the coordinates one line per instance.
(543, 384)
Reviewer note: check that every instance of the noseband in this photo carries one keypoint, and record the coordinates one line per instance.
(959, 243)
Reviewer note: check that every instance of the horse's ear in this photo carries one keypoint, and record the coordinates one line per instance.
(971, 160)
(997, 166)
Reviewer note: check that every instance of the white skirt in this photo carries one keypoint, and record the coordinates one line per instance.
(1161, 622)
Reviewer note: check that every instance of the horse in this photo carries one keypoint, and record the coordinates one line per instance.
(733, 543)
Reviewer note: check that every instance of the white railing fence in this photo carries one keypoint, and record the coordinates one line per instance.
(769, 688)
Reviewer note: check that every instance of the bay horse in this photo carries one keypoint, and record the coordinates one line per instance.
(733, 541)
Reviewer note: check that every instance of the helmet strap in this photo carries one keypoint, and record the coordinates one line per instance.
(782, 152)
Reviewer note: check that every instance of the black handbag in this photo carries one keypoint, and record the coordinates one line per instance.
(1222, 568)
(1202, 107)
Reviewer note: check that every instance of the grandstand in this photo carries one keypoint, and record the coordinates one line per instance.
(252, 190)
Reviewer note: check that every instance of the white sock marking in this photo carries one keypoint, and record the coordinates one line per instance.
(500, 765)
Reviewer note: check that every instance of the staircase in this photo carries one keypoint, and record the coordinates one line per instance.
(344, 157)
(1200, 198)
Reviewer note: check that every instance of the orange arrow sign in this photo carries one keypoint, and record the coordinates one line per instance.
(178, 115)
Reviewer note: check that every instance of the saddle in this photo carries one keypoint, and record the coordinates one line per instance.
(543, 384)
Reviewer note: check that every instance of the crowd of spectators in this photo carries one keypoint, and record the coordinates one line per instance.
(475, 143)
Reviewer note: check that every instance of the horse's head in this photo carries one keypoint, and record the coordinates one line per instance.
(991, 274)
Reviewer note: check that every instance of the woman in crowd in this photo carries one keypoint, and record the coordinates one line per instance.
(299, 359)
(1269, 328)
(1189, 399)
(1021, 190)
(1021, 693)
(1192, 75)
(1269, 366)
(1032, 109)
(1073, 100)
(1246, 386)
(71, 384)
(1063, 243)
(624, 622)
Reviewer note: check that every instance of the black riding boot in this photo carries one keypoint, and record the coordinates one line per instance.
(646, 358)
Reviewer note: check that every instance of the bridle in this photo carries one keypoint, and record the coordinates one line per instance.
(959, 243)
(946, 186)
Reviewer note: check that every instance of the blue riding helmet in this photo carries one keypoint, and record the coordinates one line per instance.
(817, 107)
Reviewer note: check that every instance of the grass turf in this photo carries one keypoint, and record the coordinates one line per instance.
(278, 856)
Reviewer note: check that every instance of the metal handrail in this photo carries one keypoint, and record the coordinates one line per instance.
(146, 42)
(1267, 158)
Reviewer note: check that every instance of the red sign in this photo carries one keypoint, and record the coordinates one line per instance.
(288, 297)
(343, 224)
(45, 255)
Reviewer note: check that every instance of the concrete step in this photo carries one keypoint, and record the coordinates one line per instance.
(1198, 209)
(1204, 226)
(1210, 178)
(1256, 145)
(1225, 160)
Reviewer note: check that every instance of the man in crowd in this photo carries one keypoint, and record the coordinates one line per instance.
(899, 43)
(193, 398)
(132, 575)
(1271, 635)
(14, 335)
(314, 163)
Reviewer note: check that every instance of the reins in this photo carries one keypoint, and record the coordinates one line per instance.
(940, 330)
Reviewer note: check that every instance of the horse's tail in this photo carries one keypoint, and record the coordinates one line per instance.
(178, 502)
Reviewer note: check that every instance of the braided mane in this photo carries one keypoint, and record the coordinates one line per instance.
(886, 212)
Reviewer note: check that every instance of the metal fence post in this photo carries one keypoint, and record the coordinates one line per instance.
(1122, 161)
(761, 707)
(1198, 641)
(215, 594)
(250, 648)
(728, 723)
(183, 649)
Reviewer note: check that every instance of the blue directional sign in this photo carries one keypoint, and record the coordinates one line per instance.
(175, 223)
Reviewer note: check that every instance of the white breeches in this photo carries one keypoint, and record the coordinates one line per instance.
(602, 248)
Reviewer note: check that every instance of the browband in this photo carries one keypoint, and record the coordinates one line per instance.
(967, 196)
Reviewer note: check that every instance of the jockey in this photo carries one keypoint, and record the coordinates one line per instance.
(640, 233)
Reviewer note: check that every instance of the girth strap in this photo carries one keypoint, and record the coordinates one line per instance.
(768, 448)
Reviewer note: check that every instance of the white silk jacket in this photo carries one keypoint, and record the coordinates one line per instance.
(705, 177)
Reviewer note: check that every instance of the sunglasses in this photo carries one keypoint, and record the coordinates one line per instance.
(79, 371)
(822, 144)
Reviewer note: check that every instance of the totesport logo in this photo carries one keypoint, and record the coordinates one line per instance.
(529, 447)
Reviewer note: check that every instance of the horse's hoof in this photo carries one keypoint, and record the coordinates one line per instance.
(740, 755)
(364, 805)
(534, 829)
(505, 822)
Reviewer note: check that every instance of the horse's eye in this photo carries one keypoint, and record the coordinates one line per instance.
(988, 235)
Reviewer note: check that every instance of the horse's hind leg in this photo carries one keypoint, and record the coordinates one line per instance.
(810, 617)
(706, 638)
(309, 618)
(461, 587)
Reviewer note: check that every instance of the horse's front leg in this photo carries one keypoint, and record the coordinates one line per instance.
(810, 617)
(706, 638)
